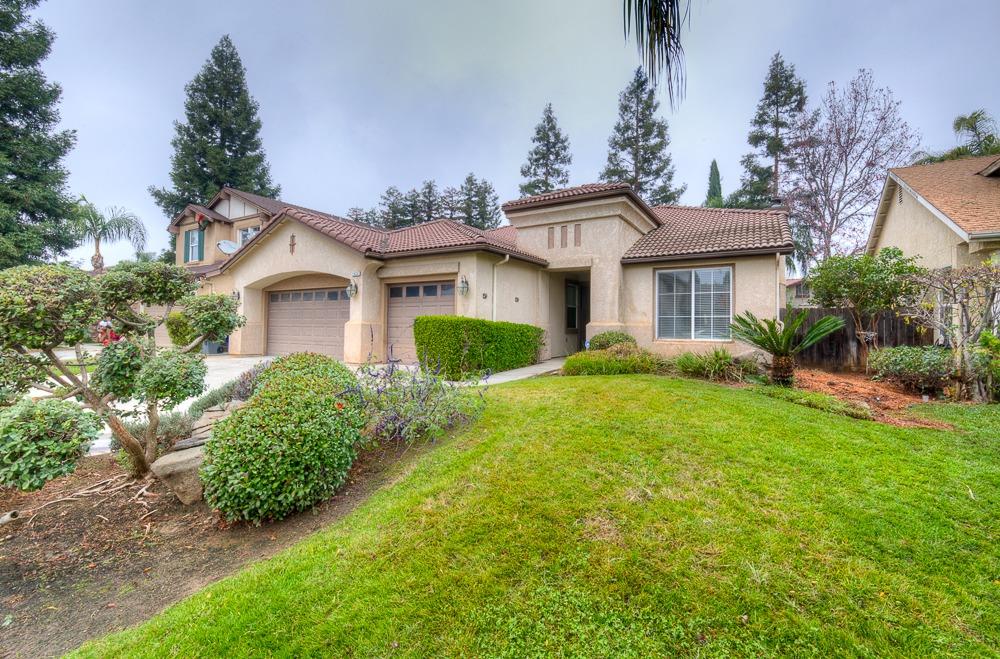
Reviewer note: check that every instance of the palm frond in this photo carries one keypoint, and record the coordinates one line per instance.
(657, 26)
(782, 340)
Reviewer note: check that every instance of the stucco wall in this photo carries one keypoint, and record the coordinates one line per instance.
(911, 227)
(757, 287)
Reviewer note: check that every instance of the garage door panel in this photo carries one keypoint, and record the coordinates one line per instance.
(307, 320)
(406, 302)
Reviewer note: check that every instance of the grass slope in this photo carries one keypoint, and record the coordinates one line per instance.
(633, 516)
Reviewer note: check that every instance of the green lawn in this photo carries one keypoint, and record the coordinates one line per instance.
(632, 516)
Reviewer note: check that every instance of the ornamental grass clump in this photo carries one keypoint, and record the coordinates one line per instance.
(620, 359)
(718, 366)
(287, 449)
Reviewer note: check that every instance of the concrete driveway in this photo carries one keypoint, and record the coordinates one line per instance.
(221, 369)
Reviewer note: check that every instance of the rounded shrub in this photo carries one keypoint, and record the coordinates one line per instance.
(605, 340)
(304, 364)
(170, 378)
(43, 440)
(923, 368)
(117, 368)
(620, 359)
(290, 447)
(179, 329)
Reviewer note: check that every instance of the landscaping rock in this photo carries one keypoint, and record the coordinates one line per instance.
(190, 442)
(179, 471)
(235, 405)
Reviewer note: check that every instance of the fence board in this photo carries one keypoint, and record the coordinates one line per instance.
(840, 350)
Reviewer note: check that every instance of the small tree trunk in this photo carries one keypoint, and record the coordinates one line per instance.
(783, 370)
(97, 261)
(153, 417)
(140, 465)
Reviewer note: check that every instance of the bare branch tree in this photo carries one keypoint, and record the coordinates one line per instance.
(839, 155)
(960, 304)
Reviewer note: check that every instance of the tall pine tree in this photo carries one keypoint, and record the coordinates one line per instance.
(637, 149)
(548, 161)
(714, 197)
(783, 102)
(480, 205)
(35, 211)
(219, 141)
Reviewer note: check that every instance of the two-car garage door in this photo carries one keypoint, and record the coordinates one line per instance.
(307, 320)
(406, 302)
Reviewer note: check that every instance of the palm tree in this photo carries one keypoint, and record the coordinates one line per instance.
(782, 340)
(657, 26)
(112, 225)
(979, 134)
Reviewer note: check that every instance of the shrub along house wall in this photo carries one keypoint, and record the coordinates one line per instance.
(841, 350)
(461, 345)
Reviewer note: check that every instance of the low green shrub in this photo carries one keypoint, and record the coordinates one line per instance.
(605, 340)
(303, 364)
(414, 405)
(815, 400)
(218, 396)
(459, 346)
(620, 359)
(43, 440)
(988, 358)
(288, 448)
(923, 368)
(718, 365)
(179, 329)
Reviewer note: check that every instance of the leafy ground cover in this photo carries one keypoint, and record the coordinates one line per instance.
(633, 516)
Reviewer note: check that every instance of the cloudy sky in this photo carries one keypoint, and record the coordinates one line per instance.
(357, 96)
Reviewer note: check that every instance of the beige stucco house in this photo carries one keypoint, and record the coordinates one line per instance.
(574, 262)
(946, 213)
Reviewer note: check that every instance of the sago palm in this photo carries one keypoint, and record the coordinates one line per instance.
(783, 340)
(110, 226)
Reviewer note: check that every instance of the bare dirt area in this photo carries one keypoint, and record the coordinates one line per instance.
(125, 550)
(887, 401)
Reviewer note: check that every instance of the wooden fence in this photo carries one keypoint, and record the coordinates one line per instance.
(841, 350)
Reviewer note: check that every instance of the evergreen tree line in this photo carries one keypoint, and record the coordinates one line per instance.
(474, 202)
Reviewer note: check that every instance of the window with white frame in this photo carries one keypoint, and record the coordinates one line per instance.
(246, 233)
(694, 304)
(193, 237)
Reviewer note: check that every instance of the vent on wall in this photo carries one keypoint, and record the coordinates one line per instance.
(899, 195)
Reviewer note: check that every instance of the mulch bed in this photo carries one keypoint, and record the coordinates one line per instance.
(887, 401)
(112, 557)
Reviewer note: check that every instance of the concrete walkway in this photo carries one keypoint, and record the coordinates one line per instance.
(541, 368)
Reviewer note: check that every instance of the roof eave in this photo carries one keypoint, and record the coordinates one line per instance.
(476, 247)
(587, 196)
(784, 249)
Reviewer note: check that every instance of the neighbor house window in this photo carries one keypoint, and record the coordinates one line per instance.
(247, 233)
(572, 306)
(694, 304)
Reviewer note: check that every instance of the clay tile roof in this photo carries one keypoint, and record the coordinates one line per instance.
(585, 190)
(688, 231)
(960, 190)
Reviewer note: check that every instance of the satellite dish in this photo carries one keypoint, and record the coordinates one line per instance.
(227, 246)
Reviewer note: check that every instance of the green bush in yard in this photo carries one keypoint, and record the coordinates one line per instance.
(304, 364)
(923, 368)
(621, 359)
(179, 329)
(718, 365)
(459, 346)
(605, 340)
(43, 440)
(287, 449)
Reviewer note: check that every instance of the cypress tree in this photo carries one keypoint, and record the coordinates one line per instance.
(36, 213)
(548, 161)
(479, 205)
(637, 149)
(714, 197)
(219, 141)
(782, 103)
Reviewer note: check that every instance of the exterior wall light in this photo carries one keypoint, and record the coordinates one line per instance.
(463, 286)
(352, 290)
(235, 295)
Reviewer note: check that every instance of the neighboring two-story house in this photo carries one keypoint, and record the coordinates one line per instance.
(947, 213)
(574, 262)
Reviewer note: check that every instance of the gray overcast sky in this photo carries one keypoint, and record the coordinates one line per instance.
(357, 96)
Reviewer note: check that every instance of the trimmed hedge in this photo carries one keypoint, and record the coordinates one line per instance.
(287, 449)
(301, 364)
(460, 346)
(605, 340)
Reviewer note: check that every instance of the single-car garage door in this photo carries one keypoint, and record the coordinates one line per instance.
(307, 320)
(406, 302)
